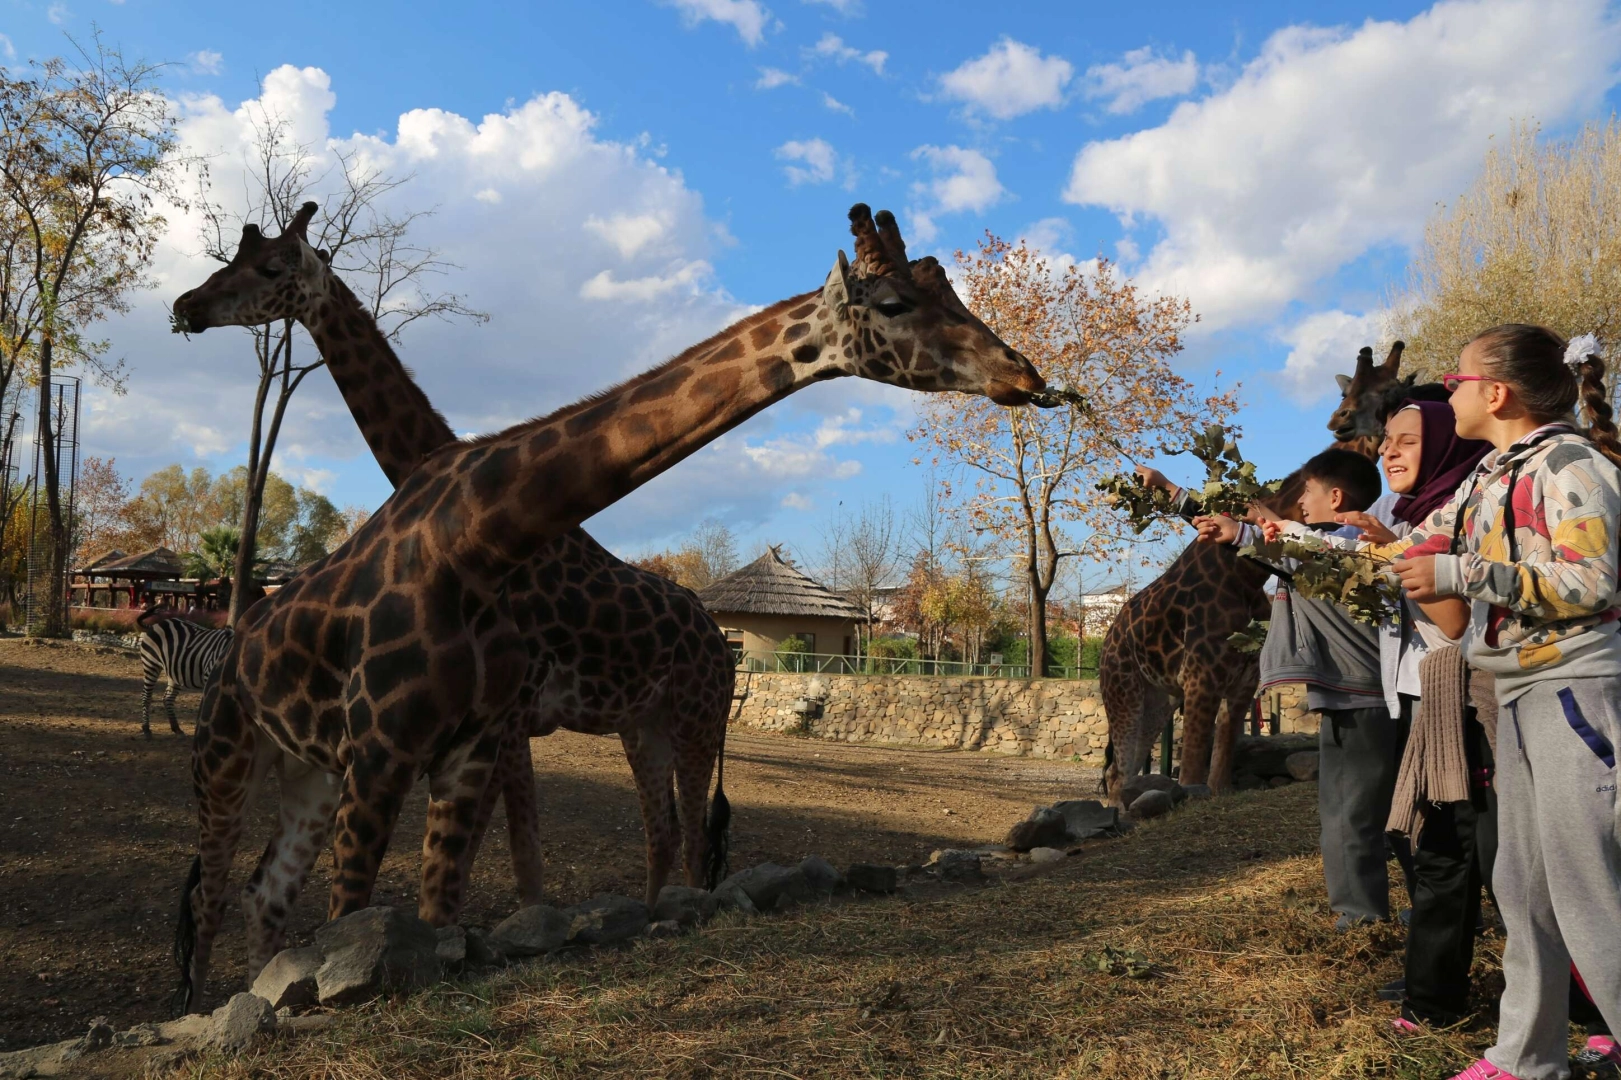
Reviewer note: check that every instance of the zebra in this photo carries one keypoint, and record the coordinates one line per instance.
(182, 652)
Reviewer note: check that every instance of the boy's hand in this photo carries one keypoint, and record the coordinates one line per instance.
(1153, 478)
(1272, 529)
(1260, 513)
(1374, 531)
(1417, 577)
(1216, 530)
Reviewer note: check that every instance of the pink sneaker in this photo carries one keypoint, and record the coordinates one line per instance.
(1600, 1050)
(1484, 1070)
(1403, 1026)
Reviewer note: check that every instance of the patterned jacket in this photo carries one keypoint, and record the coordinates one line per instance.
(1540, 567)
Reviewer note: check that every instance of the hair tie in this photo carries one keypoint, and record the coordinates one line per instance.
(1579, 349)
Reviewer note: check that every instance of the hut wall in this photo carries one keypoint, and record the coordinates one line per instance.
(1055, 718)
(762, 633)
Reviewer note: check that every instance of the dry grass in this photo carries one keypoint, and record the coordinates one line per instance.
(1225, 899)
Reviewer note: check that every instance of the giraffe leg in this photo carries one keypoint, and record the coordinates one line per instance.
(169, 696)
(228, 763)
(374, 789)
(1200, 703)
(1226, 741)
(309, 798)
(1126, 703)
(514, 781)
(652, 764)
(456, 784)
(694, 765)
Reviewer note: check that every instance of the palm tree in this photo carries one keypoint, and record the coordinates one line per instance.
(217, 559)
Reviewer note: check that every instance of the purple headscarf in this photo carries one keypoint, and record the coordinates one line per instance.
(1445, 461)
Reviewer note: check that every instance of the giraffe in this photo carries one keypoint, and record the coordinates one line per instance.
(1169, 642)
(398, 653)
(596, 665)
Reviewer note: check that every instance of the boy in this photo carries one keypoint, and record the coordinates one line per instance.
(1316, 643)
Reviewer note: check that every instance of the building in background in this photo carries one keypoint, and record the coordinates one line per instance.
(767, 602)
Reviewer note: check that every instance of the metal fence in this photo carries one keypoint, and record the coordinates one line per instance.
(835, 664)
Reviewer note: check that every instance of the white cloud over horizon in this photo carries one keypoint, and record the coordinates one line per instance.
(1008, 81)
(1335, 141)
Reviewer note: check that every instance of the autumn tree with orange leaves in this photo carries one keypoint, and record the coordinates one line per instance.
(1087, 328)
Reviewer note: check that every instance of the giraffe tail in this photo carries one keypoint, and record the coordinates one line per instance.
(718, 829)
(1108, 762)
(185, 940)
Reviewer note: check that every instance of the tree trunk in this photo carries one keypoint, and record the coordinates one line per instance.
(53, 578)
(242, 575)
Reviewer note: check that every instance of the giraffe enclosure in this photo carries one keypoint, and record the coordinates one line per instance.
(97, 826)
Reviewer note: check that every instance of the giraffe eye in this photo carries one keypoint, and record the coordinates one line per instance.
(271, 269)
(891, 307)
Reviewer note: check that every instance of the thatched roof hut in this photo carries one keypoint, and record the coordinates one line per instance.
(768, 601)
(154, 563)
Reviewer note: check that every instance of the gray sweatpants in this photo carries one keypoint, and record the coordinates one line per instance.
(1558, 875)
(1361, 751)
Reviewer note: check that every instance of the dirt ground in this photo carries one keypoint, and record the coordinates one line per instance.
(97, 829)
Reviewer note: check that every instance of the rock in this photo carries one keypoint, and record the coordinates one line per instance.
(1046, 855)
(288, 981)
(867, 878)
(954, 865)
(240, 1020)
(1088, 819)
(54, 1059)
(685, 905)
(139, 1035)
(729, 896)
(1247, 781)
(188, 1028)
(1302, 764)
(820, 875)
(1266, 756)
(1152, 804)
(1137, 786)
(99, 1037)
(605, 919)
(664, 928)
(373, 950)
(768, 883)
(482, 951)
(1197, 791)
(1045, 827)
(451, 948)
(532, 931)
(1280, 781)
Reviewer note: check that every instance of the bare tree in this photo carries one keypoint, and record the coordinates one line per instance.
(85, 156)
(368, 244)
(871, 556)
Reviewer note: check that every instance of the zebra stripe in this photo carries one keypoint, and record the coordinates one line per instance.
(182, 653)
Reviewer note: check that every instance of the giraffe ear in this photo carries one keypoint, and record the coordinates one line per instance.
(836, 293)
(1345, 383)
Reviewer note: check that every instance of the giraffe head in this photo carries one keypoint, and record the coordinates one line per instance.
(265, 280)
(1360, 416)
(899, 321)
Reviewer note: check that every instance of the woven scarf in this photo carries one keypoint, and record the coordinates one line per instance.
(1435, 768)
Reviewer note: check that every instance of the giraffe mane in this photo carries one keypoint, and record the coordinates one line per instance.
(652, 373)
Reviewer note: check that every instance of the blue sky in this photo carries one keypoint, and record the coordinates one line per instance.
(620, 178)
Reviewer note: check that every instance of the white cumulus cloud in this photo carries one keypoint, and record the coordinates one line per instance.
(1010, 80)
(962, 180)
(831, 46)
(771, 78)
(1141, 77)
(1322, 345)
(811, 161)
(207, 62)
(747, 17)
(1334, 141)
(835, 105)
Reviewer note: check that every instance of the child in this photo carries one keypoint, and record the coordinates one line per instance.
(1316, 643)
(1531, 542)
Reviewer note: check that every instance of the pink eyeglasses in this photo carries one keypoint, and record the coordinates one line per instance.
(1450, 383)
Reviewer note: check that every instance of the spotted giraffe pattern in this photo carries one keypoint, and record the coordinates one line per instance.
(399, 653)
(613, 650)
(1168, 645)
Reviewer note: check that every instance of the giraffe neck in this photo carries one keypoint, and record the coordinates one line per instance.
(395, 417)
(529, 484)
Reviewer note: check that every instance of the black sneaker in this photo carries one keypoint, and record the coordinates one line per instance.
(1394, 990)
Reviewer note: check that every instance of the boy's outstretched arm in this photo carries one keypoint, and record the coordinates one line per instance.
(1182, 501)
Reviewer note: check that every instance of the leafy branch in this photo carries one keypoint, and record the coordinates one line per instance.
(1358, 582)
(1230, 485)
(1250, 639)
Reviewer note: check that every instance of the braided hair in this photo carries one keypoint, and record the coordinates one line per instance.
(1531, 359)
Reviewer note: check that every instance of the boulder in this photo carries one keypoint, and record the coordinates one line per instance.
(54, 1059)
(685, 905)
(664, 928)
(452, 947)
(820, 876)
(373, 950)
(288, 981)
(867, 878)
(188, 1028)
(1046, 855)
(1137, 786)
(1247, 781)
(1302, 764)
(482, 951)
(768, 884)
(239, 1021)
(729, 896)
(954, 865)
(1152, 804)
(139, 1035)
(1197, 791)
(1087, 819)
(605, 919)
(1280, 781)
(1045, 827)
(1267, 756)
(532, 931)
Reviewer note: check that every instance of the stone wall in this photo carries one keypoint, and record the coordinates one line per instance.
(1055, 718)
